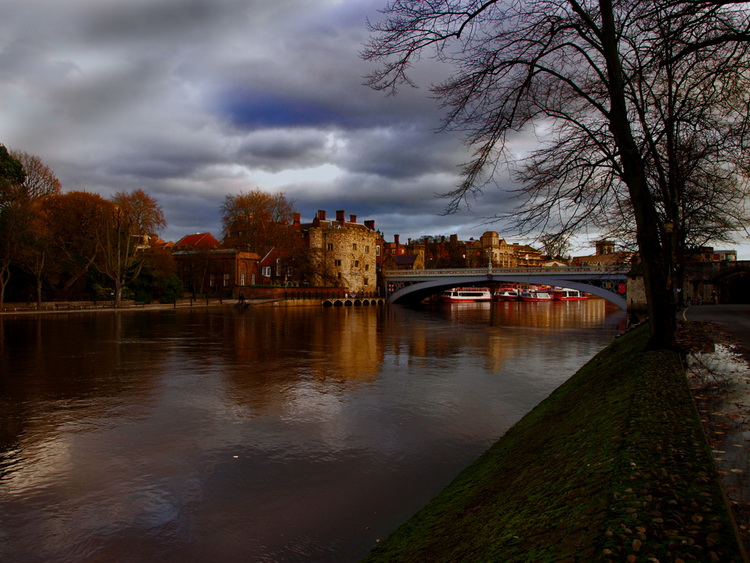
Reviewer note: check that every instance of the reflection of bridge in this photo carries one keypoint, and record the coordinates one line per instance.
(412, 286)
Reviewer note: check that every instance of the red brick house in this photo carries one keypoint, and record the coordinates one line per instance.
(206, 268)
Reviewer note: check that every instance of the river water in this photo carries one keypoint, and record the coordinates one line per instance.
(270, 434)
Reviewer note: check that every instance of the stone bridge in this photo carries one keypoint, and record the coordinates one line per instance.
(412, 286)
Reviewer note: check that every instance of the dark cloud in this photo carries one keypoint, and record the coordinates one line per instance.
(257, 110)
(192, 100)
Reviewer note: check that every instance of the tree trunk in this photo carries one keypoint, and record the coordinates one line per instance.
(655, 264)
(4, 279)
(118, 293)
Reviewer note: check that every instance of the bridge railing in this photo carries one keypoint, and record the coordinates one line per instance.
(556, 271)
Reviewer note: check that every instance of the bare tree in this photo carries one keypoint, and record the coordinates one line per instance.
(135, 216)
(605, 80)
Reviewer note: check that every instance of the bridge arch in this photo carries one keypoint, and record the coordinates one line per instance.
(418, 288)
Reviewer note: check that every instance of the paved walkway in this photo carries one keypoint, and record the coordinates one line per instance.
(721, 387)
(733, 319)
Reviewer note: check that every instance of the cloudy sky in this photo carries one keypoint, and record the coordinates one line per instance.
(192, 100)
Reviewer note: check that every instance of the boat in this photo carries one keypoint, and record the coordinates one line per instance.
(565, 294)
(532, 295)
(466, 295)
(505, 294)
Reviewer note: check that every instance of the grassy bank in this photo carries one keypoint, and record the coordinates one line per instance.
(612, 466)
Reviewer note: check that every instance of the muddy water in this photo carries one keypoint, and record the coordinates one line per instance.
(265, 435)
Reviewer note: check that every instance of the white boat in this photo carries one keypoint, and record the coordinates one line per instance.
(466, 294)
(565, 294)
(505, 294)
(532, 295)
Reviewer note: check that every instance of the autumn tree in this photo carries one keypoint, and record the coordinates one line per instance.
(257, 221)
(40, 181)
(12, 214)
(625, 96)
(134, 217)
(34, 242)
(78, 222)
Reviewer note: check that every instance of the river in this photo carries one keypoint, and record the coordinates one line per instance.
(270, 434)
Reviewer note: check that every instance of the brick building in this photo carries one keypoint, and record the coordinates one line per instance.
(206, 268)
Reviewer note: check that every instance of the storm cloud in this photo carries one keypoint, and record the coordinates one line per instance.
(192, 100)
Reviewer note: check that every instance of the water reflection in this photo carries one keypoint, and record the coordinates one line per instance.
(270, 434)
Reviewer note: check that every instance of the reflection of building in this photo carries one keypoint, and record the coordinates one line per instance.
(342, 253)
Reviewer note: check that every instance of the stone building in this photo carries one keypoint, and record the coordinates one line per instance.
(490, 247)
(342, 252)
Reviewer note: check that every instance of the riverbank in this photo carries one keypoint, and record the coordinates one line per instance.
(93, 307)
(614, 465)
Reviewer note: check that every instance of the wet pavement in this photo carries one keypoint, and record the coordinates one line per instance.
(719, 377)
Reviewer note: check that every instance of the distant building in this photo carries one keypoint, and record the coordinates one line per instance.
(206, 268)
(708, 254)
(275, 269)
(606, 255)
(404, 262)
(197, 241)
(490, 248)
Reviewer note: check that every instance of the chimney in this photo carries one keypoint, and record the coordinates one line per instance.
(322, 214)
(296, 218)
(352, 218)
(395, 239)
(340, 216)
(370, 224)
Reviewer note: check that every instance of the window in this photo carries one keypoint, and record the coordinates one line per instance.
(337, 263)
(367, 249)
(330, 246)
(367, 267)
(212, 280)
(377, 250)
(356, 263)
(367, 281)
(226, 280)
(354, 246)
(242, 279)
(266, 271)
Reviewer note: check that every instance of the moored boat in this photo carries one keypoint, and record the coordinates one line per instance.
(565, 294)
(532, 295)
(466, 294)
(505, 294)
